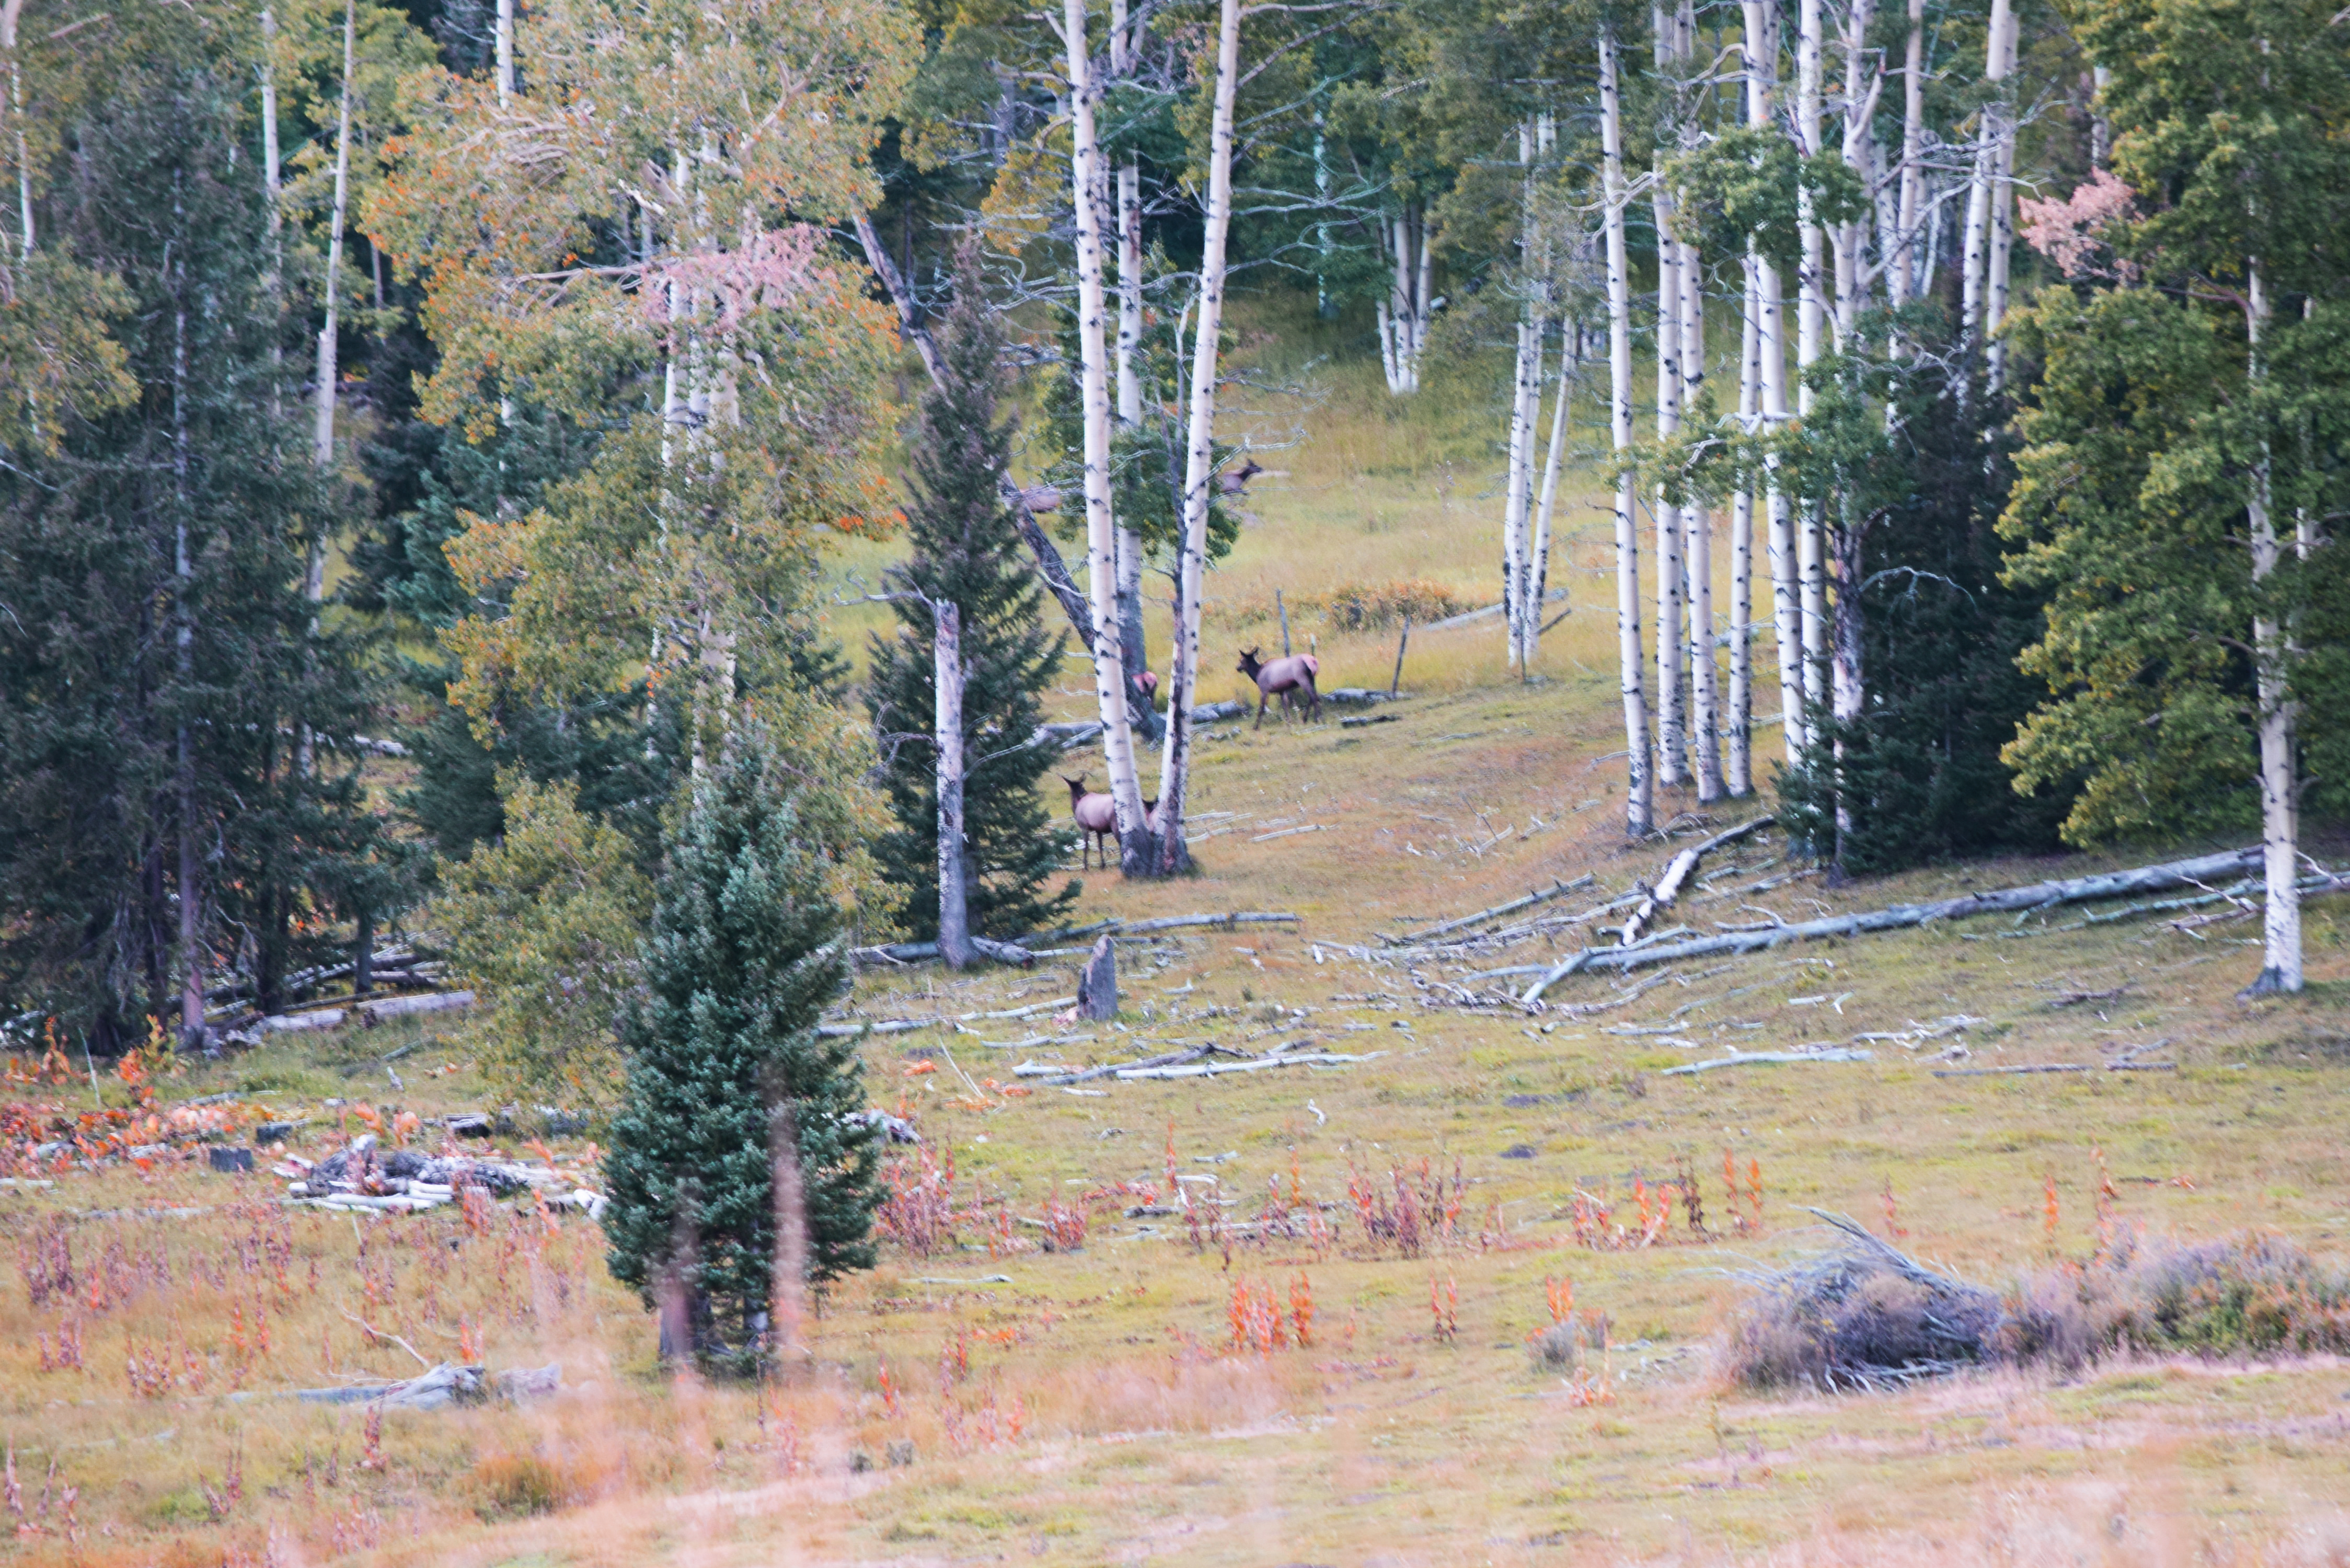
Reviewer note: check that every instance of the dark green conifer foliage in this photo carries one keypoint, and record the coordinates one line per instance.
(965, 551)
(722, 1051)
(1920, 769)
(109, 654)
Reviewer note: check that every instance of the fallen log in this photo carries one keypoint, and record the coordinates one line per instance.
(1676, 872)
(2036, 896)
(2055, 1067)
(1254, 1065)
(1755, 1058)
(1557, 889)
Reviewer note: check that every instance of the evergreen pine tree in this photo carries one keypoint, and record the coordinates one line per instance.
(965, 551)
(724, 1054)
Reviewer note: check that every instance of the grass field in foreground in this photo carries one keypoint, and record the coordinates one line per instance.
(1141, 1433)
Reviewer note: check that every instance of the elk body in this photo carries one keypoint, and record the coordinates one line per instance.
(1097, 818)
(1289, 677)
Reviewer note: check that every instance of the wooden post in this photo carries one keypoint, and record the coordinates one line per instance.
(1097, 988)
(1402, 642)
(363, 961)
(1283, 610)
(954, 864)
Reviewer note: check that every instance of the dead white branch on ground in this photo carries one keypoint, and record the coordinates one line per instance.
(2036, 896)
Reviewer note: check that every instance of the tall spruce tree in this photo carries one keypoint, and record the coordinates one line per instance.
(157, 659)
(731, 1090)
(965, 551)
(1917, 771)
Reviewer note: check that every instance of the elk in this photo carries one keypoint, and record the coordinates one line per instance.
(1234, 481)
(1286, 677)
(1097, 818)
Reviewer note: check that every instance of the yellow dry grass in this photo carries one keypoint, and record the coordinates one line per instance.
(1089, 1405)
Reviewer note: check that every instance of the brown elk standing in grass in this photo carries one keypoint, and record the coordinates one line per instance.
(1097, 818)
(1287, 678)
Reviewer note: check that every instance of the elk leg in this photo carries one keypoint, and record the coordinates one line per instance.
(1260, 695)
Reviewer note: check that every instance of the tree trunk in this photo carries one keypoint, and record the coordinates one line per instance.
(1539, 550)
(1975, 259)
(1696, 553)
(1860, 95)
(1909, 283)
(1739, 730)
(1169, 854)
(1098, 982)
(954, 857)
(323, 433)
(1672, 750)
(1128, 201)
(2280, 786)
(1525, 394)
(1638, 806)
(190, 824)
(505, 52)
(1101, 535)
(363, 952)
(2002, 208)
(1849, 692)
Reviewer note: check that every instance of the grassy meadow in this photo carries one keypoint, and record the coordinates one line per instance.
(1034, 1374)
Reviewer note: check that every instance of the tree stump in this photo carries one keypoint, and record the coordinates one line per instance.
(1098, 989)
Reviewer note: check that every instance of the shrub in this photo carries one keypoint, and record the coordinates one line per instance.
(1866, 1316)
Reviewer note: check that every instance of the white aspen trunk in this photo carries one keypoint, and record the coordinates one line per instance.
(1672, 743)
(1323, 306)
(1539, 549)
(1199, 456)
(1129, 206)
(1638, 806)
(1696, 553)
(505, 52)
(1860, 95)
(1394, 335)
(2281, 971)
(1423, 276)
(322, 449)
(1771, 374)
(1810, 297)
(1975, 258)
(1738, 729)
(1811, 559)
(954, 859)
(1525, 391)
(2101, 128)
(2003, 218)
(273, 177)
(1908, 282)
(1101, 541)
(11, 11)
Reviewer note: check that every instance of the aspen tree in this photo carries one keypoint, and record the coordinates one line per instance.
(1199, 470)
(1101, 542)
(1671, 739)
(1638, 802)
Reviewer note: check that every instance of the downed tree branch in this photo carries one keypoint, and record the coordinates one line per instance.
(2038, 895)
(1753, 1058)
(2055, 1067)
(1255, 1064)
(1676, 872)
(1554, 890)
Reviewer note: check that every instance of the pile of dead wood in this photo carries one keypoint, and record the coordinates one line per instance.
(363, 1176)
